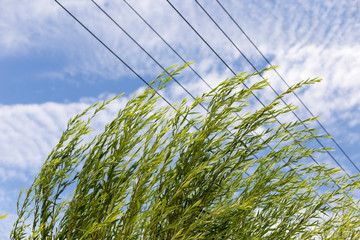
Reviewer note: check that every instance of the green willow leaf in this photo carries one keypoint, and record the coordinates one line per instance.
(231, 172)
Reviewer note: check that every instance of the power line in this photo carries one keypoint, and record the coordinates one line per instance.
(177, 54)
(131, 69)
(149, 55)
(146, 52)
(117, 56)
(277, 94)
(268, 62)
(108, 48)
(244, 83)
(180, 57)
(313, 159)
(120, 59)
(191, 69)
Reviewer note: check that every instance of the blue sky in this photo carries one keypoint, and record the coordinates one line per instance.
(51, 68)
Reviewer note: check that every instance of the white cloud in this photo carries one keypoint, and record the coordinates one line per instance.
(336, 97)
(306, 39)
(24, 24)
(31, 131)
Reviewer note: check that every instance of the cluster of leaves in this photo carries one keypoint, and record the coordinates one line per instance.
(175, 173)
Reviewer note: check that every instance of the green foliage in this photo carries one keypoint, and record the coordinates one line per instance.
(165, 173)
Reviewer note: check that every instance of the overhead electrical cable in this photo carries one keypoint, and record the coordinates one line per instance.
(121, 60)
(313, 159)
(134, 10)
(277, 94)
(300, 100)
(113, 53)
(199, 35)
(177, 54)
(152, 58)
(143, 49)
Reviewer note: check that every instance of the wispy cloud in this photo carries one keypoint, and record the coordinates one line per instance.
(306, 39)
(31, 132)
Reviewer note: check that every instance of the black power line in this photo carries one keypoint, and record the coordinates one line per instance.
(134, 10)
(109, 49)
(313, 159)
(277, 94)
(121, 60)
(180, 58)
(244, 83)
(177, 54)
(302, 103)
(117, 56)
(152, 58)
(146, 52)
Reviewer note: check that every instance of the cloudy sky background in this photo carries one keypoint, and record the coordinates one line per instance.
(51, 68)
